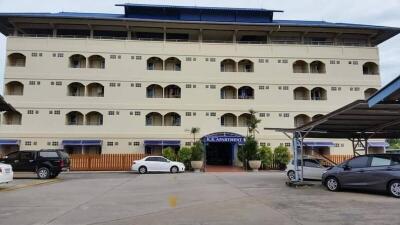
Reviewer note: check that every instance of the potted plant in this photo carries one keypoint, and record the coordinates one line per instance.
(197, 156)
(282, 156)
(251, 153)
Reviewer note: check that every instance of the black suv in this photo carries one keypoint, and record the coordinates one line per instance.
(45, 163)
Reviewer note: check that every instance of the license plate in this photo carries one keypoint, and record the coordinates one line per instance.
(8, 170)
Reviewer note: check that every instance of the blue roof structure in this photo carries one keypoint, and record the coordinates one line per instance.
(388, 94)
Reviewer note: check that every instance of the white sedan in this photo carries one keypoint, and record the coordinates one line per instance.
(6, 173)
(157, 164)
(312, 169)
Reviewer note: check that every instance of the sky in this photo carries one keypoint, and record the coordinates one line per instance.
(372, 12)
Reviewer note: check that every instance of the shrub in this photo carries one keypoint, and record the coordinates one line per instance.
(169, 153)
(184, 156)
(197, 151)
(282, 156)
(266, 156)
(248, 151)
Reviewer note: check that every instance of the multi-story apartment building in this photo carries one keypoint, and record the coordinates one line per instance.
(139, 81)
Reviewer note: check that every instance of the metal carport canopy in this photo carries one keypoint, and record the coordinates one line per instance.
(354, 120)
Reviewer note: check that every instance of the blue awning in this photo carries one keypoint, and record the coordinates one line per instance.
(162, 142)
(9, 142)
(318, 144)
(82, 142)
(378, 144)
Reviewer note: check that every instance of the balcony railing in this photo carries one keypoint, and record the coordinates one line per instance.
(273, 42)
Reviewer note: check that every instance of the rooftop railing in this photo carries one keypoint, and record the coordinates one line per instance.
(277, 42)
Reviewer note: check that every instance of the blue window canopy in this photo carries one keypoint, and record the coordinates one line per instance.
(224, 137)
(162, 143)
(9, 142)
(82, 142)
(378, 144)
(318, 144)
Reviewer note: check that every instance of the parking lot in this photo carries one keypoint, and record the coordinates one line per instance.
(206, 198)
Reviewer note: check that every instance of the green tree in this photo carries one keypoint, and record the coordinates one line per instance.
(252, 123)
(184, 156)
(282, 156)
(394, 143)
(169, 153)
(266, 156)
(197, 151)
(194, 131)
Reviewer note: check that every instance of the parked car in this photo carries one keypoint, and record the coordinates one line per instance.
(313, 169)
(378, 172)
(157, 164)
(6, 173)
(45, 163)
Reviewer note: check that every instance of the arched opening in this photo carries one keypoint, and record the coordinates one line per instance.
(172, 119)
(172, 91)
(77, 61)
(228, 92)
(228, 120)
(370, 68)
(246, 65)
(300, 66)
(244, 119)
(97, 61)
(14, 88)
(301, 93)
(74, 118)
(95, 90)
(173, 64)
(94, 119)
(317, 117)
(12, 118)
(76, 89)
(228, 65)
(16, 59)
(154, 91)
(301, 119)
(369, 92)
(317, 67)
(154, 119)
(154, 63)
(318, 94)
(246, 92)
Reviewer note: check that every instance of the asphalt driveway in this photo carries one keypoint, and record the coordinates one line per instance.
(210, 198)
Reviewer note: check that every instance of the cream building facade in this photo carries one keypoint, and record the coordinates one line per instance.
(139, 81)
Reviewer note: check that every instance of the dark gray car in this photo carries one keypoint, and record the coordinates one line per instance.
(378, 172)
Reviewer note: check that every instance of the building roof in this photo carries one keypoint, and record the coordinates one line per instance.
(202, 15)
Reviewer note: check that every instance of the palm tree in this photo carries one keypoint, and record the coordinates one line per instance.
(252, 123)
(194, 131)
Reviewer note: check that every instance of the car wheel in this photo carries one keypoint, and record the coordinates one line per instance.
(174, 169)
(43, 173)
(332, 184)
(142, 170)
(394, 188)
(291, 175)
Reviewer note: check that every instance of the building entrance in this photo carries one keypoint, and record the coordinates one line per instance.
(220, 154)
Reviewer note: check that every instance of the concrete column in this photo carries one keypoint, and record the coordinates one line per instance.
(91, 33)
(234, 36)
(54, 32)
(201, 35)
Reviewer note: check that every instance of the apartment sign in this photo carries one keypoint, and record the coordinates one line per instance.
(221, 139)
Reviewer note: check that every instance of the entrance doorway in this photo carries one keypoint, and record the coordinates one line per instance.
(220, 154)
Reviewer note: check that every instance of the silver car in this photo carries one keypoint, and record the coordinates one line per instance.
(378, 172)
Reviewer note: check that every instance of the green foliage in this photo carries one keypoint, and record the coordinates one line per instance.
(184, 156)
(169, 153)
(194, 131)
(250, 149)
(197, 151)
(252, 123)
(394, 143)
(282, 155)
(266, 156)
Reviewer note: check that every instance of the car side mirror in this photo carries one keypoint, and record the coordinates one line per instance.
(346, 167)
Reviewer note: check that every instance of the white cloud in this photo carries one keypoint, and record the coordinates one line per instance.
(355, 11)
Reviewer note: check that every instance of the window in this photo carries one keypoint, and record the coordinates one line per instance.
(110, 143)
(152, 159)
(48, 154)
(57, 112)
(188, 143)
(138, 85)
(111, 113)
(16, 60)
(137, 113)
(381, 161)
(212, 86)
(54, 143)
(213, 114)
(188, 114)
(358, 162)
(136, 143)
(28, 143)
(30, 111)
